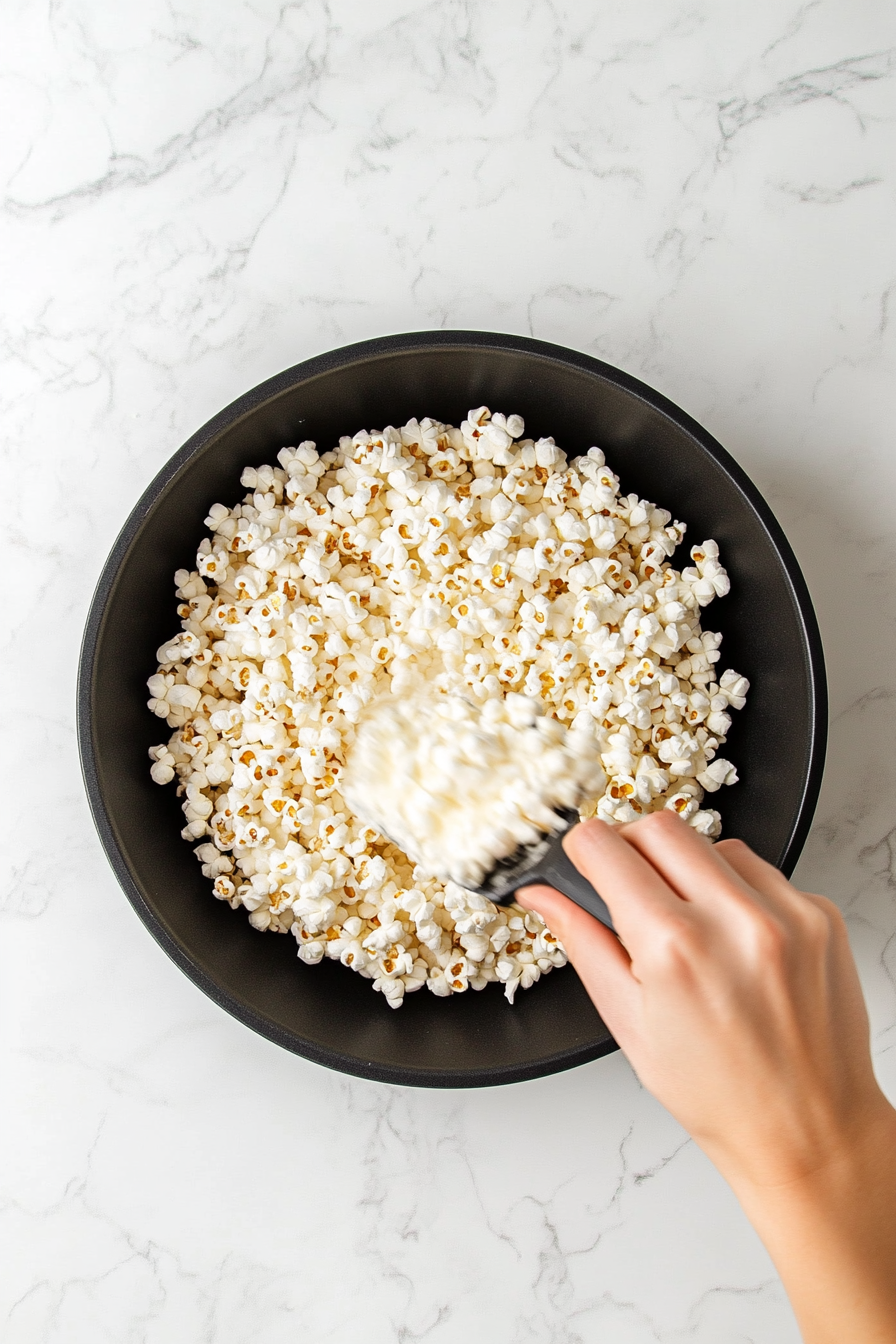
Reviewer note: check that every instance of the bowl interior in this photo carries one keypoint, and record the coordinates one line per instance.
(325, 1012)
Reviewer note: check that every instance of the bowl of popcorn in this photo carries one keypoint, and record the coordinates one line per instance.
(517, 531)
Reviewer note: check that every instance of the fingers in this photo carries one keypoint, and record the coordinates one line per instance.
(633, 889)
(603, 965)
(800, 909)
(762, 876)
(687, 862)
(571, 924)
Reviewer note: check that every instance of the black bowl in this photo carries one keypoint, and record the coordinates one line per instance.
(324, 1012)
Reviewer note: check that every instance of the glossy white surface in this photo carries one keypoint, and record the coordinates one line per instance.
(196, 196)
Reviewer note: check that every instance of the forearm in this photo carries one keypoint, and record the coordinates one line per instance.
(832, 1236)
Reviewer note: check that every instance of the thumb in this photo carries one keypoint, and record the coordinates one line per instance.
(602, 963)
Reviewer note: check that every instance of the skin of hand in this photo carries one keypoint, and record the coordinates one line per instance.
(736, 999)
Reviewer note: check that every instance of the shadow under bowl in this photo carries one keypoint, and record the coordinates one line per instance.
(770, 634)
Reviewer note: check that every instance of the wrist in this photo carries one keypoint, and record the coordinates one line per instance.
(804, 1158)
(853, 1160)
(831, 1232)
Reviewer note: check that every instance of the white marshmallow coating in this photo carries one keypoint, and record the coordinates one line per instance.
(474, 561)
(458, 786)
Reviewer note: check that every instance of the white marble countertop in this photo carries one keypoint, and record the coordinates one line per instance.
(197, 196)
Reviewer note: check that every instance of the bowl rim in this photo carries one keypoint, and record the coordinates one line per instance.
(242, 406)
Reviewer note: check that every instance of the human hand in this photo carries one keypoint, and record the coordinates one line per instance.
(734, 995)
(737, 1001)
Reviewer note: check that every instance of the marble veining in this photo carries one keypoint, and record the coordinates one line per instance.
(195, 196)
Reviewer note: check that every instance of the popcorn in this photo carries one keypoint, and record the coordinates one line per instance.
(479, 564)
(716, 774)
(459, 788)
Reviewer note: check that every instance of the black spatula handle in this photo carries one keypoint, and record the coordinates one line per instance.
(556, 869)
